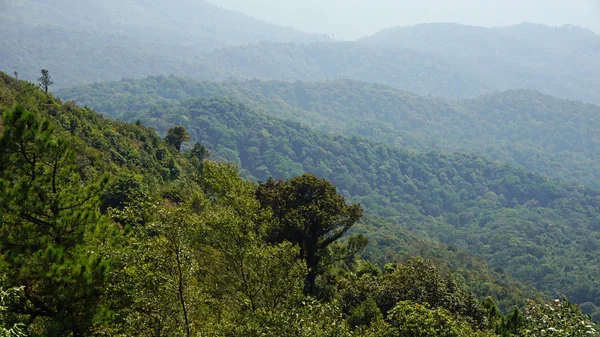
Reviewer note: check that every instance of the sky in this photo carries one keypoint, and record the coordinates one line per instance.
(351, 19)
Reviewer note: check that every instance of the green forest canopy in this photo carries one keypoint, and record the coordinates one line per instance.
(537, 229)
(544, 134)
(94, 244)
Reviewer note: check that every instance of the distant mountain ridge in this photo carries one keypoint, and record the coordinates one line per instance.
(107, 40)
(185, 22)
(531, 56)
(82, 42)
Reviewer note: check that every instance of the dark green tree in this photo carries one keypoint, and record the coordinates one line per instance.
(197, 155)
(310, 213)
(45, 82)
(50, 230)
(176, 136)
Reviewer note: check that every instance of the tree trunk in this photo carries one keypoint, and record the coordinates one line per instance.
(181, 294)
(312, 263)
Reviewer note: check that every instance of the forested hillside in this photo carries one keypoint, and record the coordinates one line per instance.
(544, 134)
(108, 40)
(539, 230)
(106, 229)
(180, 169)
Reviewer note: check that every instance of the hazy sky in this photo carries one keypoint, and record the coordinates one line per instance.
(349, 19)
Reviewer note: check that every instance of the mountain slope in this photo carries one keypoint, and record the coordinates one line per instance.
(540, 230)
(541, 133)
(560, 61)
(172, 210)
(543, 62)
(180, 22)
(80, 41)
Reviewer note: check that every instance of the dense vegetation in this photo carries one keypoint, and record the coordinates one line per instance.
(537, 229)
(543, 134)
(108, 230)
(264, 208)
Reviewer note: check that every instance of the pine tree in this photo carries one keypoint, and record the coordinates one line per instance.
(45, 82)
(50, 232)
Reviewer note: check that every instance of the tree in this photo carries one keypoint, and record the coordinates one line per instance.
(157, 286)
(249, 272)
(51, 235)
(197, 155)
(419, 281)
(176, 136)
(409, 319)
(310, 213)
(16, 74)
(45, 82)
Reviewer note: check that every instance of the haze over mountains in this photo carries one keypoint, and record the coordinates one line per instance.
(150, 38)
(139, 37)
(340, 18)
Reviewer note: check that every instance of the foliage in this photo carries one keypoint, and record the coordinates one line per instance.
(417, 281)
(176, 136)
(11, 324)
(526, 225)
(108, 231)
(49, 226)
(309, 213)
(557, 318)
(498, 126)
(412, 320)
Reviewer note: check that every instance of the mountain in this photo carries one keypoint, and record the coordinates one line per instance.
(107, 229)
(417, 71)
(179, 22)
(544, 134)
(560, 61)
(135, 38)
(521, 57)
(540, 230)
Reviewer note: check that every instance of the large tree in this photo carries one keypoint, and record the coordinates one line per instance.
(176, 136)
(309, 212)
